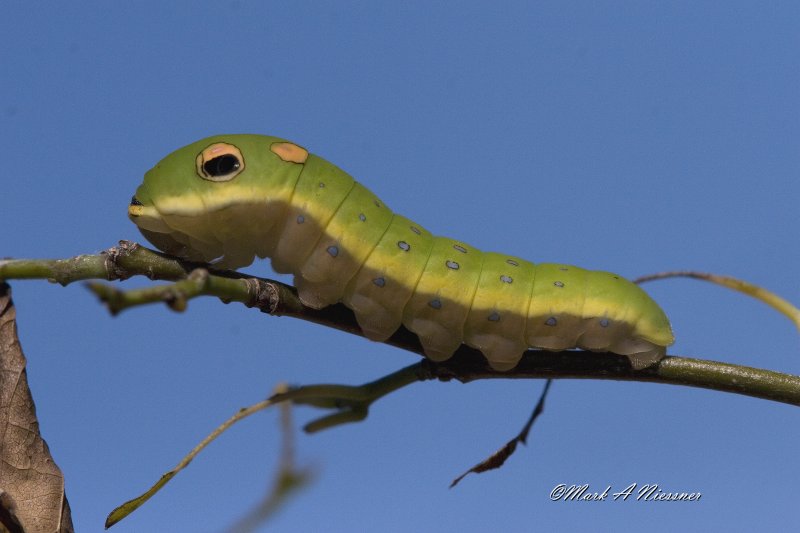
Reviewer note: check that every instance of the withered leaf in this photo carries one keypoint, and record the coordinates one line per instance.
(30, 481)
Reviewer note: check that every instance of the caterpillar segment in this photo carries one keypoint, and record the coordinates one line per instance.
(229, 199)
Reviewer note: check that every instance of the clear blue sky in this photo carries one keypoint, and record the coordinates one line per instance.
(633, 136)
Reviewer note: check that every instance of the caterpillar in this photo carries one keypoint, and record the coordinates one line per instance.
(228, 199)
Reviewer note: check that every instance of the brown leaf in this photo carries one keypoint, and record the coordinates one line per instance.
(498, 458)
(31, 484)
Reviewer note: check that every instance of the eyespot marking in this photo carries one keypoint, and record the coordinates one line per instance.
(452, 265)
(551, 321)
(219, 162)
(494, 317)
(416, 230)
(403, 245)
(604, 322)
(506, 279)
(512, 262)
(436, 303)
(460, 248)
(333, 251)
(380, 282)
(321, 185)
(290, 152)
(559, 284)
(300, 219)
(362, 217)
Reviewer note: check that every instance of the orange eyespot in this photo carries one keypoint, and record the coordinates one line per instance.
(290, 152)
(219, 162)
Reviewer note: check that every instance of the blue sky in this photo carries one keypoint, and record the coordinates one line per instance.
(634, 137)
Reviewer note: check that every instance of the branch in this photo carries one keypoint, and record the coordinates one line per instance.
(130, 259)
(759, 293)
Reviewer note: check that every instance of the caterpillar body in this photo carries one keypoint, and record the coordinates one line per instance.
(231, 198)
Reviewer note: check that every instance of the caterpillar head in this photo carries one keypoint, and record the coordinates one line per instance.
(201, 201)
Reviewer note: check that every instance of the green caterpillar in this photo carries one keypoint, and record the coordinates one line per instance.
(231, 198)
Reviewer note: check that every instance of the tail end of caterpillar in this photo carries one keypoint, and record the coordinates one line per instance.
(640, 353)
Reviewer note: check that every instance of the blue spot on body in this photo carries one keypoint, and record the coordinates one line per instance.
(333, 251)
(436, 303)
(558, 283)
(362, 217)
(512, 262)
(551, 321)
(403, 245)
(506, 279)
(460, 248)
(604, 322)
(300, 219)
(494, 317)
(416, 230)
(452, 265)
(380, 282)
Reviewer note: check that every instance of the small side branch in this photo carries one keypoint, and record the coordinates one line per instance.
(735, 284)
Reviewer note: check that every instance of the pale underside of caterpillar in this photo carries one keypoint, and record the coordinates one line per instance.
(230, 198)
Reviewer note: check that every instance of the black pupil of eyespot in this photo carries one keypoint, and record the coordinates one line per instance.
(220, 166)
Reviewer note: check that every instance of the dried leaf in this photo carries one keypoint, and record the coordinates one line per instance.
(499, 457)
(31, 484)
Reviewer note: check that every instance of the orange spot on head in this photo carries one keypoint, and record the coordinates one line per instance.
(290, 152)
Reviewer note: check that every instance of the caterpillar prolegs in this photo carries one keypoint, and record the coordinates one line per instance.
(231, 198)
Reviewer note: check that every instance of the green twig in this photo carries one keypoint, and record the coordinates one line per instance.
(176, 295)
(350, 402)
(131, 505)
(736, 284)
